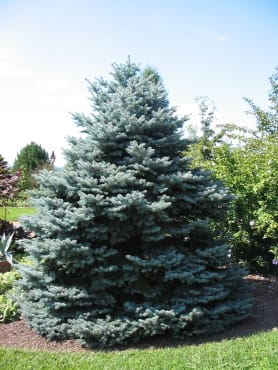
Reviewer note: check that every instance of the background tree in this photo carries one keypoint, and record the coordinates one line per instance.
(247, 162)
(267, 120)
(30, 160)
(124, 248)
(203, 145)
(207, 139)
(8, 185)
(3, 166)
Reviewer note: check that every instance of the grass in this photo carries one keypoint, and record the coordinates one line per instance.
(13, 213)
(257, 352)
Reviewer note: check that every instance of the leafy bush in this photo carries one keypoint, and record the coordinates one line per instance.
(247, 163)
(251, 173)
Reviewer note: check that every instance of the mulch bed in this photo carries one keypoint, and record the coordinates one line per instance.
(264, 318)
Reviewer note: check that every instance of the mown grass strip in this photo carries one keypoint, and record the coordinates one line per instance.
(13, 213)
(257, 352)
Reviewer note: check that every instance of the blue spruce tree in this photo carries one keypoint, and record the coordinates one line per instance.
(125, 247)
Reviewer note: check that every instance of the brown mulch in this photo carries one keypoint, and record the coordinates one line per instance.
(264, 318)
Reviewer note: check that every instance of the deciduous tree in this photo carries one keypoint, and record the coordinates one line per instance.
(30, 160)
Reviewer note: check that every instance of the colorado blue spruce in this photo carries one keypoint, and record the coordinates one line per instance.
(125, 245)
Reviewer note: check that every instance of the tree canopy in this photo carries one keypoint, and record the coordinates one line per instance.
(30, 160)
(267, 120)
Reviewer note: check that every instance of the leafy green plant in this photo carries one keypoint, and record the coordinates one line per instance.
(7, 279)
(246, 162)
(8, 307)
(251, 173)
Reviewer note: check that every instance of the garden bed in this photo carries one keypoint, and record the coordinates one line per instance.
(264, 318)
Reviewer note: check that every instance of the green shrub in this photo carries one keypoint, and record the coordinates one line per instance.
(251, 173)
(247, 163)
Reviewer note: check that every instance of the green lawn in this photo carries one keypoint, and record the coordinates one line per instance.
(257, 352)
(13, 213)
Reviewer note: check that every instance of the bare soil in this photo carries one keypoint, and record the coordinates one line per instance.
(264, 318)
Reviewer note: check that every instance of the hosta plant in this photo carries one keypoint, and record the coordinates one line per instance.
(8, 307)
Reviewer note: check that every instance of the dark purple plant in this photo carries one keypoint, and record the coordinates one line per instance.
(8, 188)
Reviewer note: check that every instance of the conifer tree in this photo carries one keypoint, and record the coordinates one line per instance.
(124, 249)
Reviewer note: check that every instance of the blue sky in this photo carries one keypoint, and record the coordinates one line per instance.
(221, 49)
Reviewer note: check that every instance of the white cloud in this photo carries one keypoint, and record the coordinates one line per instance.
(5, 53)
(64, 102)
(11, 66)
(52, 102)
(52, 85)
(210, 34)
(9, 69)
(189, 109)
(220, 38)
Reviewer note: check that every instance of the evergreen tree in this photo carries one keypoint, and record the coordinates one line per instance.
(30, 160)
(124, 248)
